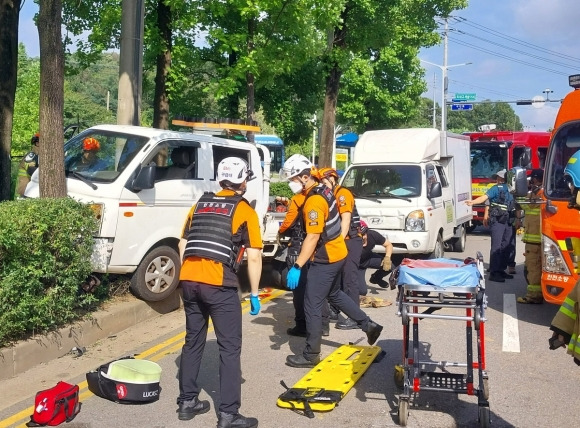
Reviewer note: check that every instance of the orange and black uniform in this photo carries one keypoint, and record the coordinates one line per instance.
(293, 227)
(350, 277)
(210, 290)
(321, 216)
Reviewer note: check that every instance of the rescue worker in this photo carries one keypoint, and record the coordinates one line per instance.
(372, 260)
(293, 228)
(216, 231)
(89, 159)
(501, 207)
(533, 238)
(350, 231)
(325, 249)
(27, 166)
(566, 323)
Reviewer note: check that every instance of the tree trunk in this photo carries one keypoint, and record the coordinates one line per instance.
(51, 151)
(233, 100)
(161, 102)
(9, 13)
(250, 103)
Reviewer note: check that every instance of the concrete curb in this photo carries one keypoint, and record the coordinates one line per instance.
(114, 318)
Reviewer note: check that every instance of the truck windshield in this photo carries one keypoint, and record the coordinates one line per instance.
(565, 143)
(487, 159)
(382, 181)
(101, 156)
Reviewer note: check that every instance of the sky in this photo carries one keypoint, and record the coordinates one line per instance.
(517, 50)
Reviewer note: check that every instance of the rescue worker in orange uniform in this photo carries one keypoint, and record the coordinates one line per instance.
(27, 166)
(533, 239)
(325, 249)
(350, 231)
(216, 231)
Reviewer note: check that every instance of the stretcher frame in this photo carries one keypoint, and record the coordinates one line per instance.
(470, 302)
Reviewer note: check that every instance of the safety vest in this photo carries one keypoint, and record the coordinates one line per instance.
(354, 227)
(210, 235)
(297, 233)
(332, 224)
(502, 205)
(532, 232)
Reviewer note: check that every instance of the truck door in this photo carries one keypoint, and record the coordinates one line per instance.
(151, 215)
(443, 210)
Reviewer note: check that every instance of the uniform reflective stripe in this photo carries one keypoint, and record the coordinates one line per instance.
(532, 211)
(567, 308)
(530, 238)
(574, 345)
(534, 288)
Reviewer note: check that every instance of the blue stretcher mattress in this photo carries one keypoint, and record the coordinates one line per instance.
(462, 275)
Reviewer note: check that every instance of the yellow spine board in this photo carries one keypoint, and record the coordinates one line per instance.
(337, 372)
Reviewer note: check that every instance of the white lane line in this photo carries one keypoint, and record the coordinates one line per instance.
(511, 335)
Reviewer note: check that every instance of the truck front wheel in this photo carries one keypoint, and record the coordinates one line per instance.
(158, 275)
(438, 251)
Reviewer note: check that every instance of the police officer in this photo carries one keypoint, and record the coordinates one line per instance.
(27, 166)
(325, 249)
(216, 230)
(501, 208)
(350, 231)
(533, 239)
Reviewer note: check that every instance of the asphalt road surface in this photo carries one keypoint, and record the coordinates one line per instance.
(529, 385)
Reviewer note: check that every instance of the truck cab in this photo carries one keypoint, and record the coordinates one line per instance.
(410, 185)
(141, 183)
(493, 151)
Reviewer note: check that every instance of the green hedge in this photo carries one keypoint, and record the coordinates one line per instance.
(280, 189)
(45, 249)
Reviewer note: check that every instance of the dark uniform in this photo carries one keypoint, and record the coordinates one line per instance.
(501, 209)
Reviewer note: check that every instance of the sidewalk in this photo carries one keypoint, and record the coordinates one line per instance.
(115, 317)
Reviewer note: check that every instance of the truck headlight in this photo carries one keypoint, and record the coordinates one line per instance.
(98, 210)
(553, 258)
(415, 221)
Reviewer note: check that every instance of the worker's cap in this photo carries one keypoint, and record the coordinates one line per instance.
(537, 173)
(501, 173)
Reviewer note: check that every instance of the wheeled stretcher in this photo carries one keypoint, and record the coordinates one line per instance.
(442, 289)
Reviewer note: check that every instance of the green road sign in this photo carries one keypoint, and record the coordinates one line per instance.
(464, 97)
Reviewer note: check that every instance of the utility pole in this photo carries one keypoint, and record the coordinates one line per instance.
(445, 81)
(131, 62)
(434, 103)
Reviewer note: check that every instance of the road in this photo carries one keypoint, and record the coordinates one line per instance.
(530, 386)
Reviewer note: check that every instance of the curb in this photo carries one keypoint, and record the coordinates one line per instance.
(114, 318)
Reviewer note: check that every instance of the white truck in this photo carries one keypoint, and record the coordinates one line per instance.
(141, 185)
(411, 186)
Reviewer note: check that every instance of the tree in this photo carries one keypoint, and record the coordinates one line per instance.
(9, 14)
(51, 152)
(498, 113)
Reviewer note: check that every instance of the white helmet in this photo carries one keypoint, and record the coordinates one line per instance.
(235, 170)
(294, 166)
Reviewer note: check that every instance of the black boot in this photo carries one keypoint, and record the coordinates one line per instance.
(189, 409)
(300, 361)
(229, 420)
(297, 330)
(373, 332)
(377, 278)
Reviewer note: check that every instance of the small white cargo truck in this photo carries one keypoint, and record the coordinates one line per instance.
(141, 184)
(411, 186)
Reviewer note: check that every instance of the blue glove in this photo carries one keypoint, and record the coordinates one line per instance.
(292, 278)
(255, 304)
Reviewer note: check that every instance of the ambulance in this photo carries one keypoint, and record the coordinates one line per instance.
(560, 224)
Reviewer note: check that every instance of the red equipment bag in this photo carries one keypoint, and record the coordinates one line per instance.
(55, 405)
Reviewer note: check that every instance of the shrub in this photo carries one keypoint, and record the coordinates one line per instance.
(45, 249)
(280, 189)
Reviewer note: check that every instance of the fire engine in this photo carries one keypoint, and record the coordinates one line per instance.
(492, 151)
(561, 224)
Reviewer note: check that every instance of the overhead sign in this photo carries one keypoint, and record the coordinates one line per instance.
(461, 106)
(464, 97)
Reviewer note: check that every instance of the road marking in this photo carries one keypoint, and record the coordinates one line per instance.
(511, 335)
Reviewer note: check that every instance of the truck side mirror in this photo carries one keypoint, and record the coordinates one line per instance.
(435, 191)
(145, 179)
(518, 181)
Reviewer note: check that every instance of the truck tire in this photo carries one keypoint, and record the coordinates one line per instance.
(157, 275)
(458, 244)
(438, 251)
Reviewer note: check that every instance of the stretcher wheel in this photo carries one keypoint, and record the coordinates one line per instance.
(399, 376)
(403, 412)
(476, 318)
(485, 388)
(405, 315)
(479, 298)
(484, 421)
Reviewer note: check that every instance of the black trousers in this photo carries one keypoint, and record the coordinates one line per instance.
(501, 236)
(323, 283)
(222, 304)
(350, 277)
(374, 262)
(298, 298)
